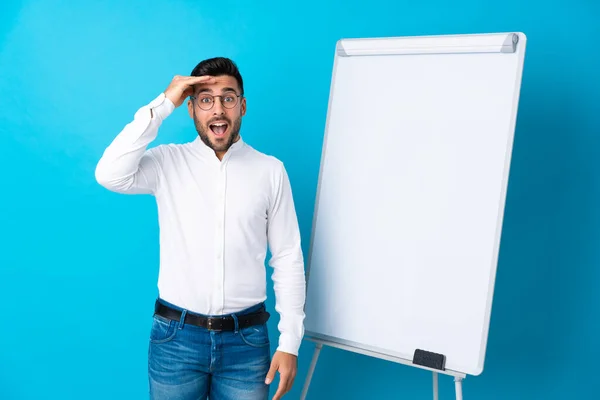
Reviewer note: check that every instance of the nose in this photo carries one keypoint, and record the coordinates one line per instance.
(218, 108)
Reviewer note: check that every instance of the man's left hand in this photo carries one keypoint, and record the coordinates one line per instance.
(287, 365)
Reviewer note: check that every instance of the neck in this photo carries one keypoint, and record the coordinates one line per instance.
(221, 154)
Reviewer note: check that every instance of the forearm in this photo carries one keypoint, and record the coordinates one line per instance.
(289, 280)
(119, 168)
(289, 284)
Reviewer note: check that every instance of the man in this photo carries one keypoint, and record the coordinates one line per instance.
(221, 204)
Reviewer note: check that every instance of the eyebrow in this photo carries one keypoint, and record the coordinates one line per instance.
(224, 90)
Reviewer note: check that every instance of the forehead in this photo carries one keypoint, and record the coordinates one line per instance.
(223, 83)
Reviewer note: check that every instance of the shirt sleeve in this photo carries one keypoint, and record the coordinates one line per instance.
(287, 261)
(127, 166)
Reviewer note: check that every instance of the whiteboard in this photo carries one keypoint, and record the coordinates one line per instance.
(411, 194)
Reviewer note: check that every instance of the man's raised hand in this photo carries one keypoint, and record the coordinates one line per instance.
(183, 86)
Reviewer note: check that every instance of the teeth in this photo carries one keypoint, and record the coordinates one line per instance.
(220, 124)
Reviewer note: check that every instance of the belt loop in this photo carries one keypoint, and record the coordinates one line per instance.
(182, 319)
(235, 322)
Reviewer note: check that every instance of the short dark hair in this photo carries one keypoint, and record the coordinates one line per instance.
(219, 66)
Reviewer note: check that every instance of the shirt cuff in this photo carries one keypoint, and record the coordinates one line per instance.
(289, 344)
(161, 107)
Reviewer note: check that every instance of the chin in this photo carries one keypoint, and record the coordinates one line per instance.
(220, 140)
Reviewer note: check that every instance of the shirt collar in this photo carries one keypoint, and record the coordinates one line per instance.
(206, 151)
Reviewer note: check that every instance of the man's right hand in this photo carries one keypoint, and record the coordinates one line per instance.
(183, 86)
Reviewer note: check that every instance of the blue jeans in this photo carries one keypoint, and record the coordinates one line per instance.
(187, 362)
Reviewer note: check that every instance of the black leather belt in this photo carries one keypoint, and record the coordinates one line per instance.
(224, 323)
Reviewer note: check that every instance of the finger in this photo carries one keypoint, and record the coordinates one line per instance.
(288, 382)
(271, 373)
(284, 383)
(188, 92)
(280, 390)
(194, 80)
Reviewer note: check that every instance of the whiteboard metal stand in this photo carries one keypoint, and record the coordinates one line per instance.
(458, 377)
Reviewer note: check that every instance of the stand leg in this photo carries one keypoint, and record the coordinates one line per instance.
(435, 386)
(458, 385)
(313, 363)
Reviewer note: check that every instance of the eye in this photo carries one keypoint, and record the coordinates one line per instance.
(206, 99)
(229, 99)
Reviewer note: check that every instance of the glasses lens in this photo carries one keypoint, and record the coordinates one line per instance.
(229, 100)
(205, 101)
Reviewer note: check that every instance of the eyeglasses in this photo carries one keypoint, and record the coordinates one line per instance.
(207, 101)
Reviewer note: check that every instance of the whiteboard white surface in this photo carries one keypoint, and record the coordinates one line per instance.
(411, 194)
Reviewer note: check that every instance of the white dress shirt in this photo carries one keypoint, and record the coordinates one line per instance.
(216, 220)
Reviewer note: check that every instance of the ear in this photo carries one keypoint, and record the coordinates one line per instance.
(243, 106)
(190, 108)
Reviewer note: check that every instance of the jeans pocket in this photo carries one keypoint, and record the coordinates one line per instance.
(163, 329)
(256, 336)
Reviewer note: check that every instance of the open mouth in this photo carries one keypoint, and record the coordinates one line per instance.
(218, 128)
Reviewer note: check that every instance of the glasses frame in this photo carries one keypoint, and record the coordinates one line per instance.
(238, 96)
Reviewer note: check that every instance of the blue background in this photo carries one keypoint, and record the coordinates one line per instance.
(78, 264)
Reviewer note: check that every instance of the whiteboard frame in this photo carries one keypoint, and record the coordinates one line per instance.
(518, 42)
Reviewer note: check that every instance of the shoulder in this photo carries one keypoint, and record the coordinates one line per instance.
(263, 160)
(270, 169)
